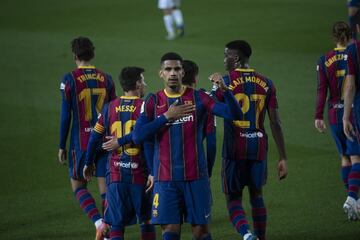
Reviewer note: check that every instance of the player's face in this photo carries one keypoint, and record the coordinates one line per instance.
(142, 86)
(172, 73)
(230, 59)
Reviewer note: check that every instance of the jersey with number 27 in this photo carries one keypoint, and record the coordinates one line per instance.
(246, 138)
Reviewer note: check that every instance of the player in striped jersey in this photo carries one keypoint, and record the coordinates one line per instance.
(191, 71)
(84, 92)
(353, 8)
(331, 70)
(127, 174)
(352, 98)
(178, 165)
(245, 141)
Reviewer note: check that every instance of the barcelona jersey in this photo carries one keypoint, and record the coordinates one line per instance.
(245, 139)
(331, 72)
(127, 163)
(84, 92)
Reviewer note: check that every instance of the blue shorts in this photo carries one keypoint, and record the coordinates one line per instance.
(77, 163)
(354, 3)
(127, 203)
(236, 174)
(344, 145)
(176, 202)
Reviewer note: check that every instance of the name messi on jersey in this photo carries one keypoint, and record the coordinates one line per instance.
(252, 79)
(91, 76)
(335, 58)
(125, 108)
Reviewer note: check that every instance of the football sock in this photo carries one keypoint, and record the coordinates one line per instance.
(170, 236)
(169, 25)
(103, 203)
(87, 203)
(345, 170)
(354, 181)
(238, 217)
(259, 217)
(148, 232)
(178, 17)
(117, 233)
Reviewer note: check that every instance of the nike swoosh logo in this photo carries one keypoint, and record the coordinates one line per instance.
(207, 216)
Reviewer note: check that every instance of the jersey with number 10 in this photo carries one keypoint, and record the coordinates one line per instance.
(84, 92)
(246, 139)
(127, 163)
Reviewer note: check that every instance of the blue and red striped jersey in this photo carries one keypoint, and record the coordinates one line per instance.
(127, 163)
(178, 147)
(84, 92)
(246, 138)
(331, 71)
(353, 51)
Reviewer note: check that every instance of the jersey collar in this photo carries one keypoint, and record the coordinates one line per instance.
(170, 95)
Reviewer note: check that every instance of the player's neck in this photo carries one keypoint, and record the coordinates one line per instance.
(178, 90)
(82, 63)
(339, 45)
(131, 93)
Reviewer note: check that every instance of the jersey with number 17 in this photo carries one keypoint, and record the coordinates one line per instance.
(84, 92)
(246, 139)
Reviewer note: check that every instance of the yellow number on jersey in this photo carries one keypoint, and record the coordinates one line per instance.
(156, 200)
(244, 101)
(85, 95)
(117, 128)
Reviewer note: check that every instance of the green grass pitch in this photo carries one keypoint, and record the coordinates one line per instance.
(287, 37)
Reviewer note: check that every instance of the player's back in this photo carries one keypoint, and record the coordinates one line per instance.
(127, 163)
(86, 89)
(246, 138)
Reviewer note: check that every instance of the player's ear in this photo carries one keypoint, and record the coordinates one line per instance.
(160, 73)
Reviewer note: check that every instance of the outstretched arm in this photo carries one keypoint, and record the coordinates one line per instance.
(278, 136)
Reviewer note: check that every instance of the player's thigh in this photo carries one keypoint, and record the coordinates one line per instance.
(167, 204)
(235, 176)
(76, 164)
(197, 195)
(258, 170)
(339, 137)
(165, 4)
(120, 209)
(142, 202)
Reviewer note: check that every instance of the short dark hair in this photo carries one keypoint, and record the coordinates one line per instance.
(129, 76)
(191, 70)
(171, 56)
(242, 47)
(83, 48)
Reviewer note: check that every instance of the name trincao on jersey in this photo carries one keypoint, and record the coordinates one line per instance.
(252, 79)
(91, 76)
(337, 57)
(125, 108)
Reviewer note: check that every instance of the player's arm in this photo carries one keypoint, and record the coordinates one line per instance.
(113, 143)
(278, 136)
(148, 147)
(349, 93)
(210, 143)
(112, 93)
(147, 125)
(65, 118)
(321, 96)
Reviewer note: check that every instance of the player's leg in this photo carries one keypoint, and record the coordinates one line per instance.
(353, 7)
(345, 170)
(201, 232)
(235, 177)
(79, 187)
(259, 213)
(166, 7)
(351, 205)
(178, 17)
(167, 197)
(100, 173)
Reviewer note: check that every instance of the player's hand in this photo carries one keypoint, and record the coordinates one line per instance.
(111, 143)
(217, 80)
(149, 183)
(320, 125)
(349, 129)
(282, 169)
(88, 171)
(178, 111)
(62, 156)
